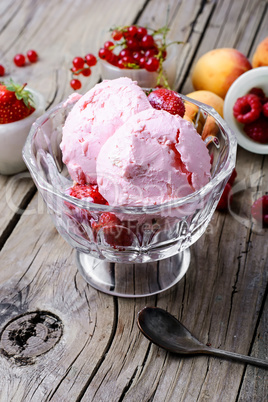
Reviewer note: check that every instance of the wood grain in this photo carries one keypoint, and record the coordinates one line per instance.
(15, 194)
(101, 355)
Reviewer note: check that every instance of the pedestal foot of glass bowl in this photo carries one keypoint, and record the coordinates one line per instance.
(133, 280)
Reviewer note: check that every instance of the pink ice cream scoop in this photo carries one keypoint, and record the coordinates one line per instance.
(153, 158)
(94, 119)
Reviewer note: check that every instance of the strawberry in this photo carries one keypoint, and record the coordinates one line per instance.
(168, 100)
(16, 103)
(114, 233)
(88, 191)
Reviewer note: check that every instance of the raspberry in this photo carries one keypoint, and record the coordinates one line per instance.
(258, 92)
(114, 233)
(265, 109)
(247, 109)
(259, 210)
(258, 130)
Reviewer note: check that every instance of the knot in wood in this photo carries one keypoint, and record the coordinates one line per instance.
(31, 335)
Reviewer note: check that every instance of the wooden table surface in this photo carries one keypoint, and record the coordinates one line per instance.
(70, 342)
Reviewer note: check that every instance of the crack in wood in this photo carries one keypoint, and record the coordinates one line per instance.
(102, 358)
(11, 17)
(20, 32)
(17, 216)
(193, 23)
(203, 382)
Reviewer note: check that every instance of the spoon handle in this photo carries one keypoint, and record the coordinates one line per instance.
(236, 356)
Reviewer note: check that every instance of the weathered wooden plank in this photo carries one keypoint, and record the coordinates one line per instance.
(101, 354)
(210, 300)
(41, 275)
(15, 193)
(59, 33)
(183, 16)
(232, 24)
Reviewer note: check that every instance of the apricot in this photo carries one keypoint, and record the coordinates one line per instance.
(216, 70)
(207, 97)
(208, 127)
(260, 57)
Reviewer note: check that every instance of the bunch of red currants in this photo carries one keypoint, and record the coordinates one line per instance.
(138, 49)
(82, 66)
(131, 47)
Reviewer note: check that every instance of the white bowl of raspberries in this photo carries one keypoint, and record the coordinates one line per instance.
(19, 108)
(246, 110)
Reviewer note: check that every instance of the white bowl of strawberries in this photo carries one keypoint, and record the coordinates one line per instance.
(19, 108)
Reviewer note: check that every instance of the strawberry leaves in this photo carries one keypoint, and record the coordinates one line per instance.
(21, 93)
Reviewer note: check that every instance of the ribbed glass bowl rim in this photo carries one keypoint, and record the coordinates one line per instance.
(148, 209)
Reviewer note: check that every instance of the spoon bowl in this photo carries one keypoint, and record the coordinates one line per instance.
(164, 330)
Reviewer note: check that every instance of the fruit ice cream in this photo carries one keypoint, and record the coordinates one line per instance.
(135, 154)
(153, 158)
(94, 118)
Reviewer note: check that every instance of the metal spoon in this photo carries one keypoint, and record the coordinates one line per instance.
(166, 331)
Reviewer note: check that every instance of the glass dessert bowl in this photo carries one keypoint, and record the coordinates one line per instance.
(145, 250)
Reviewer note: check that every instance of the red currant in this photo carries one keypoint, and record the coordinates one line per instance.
(75, 84)
(164, 54)
(117, 35)
(133, 44)
(103, 53)
(147, 42)
(19, 60)
(125, 52)
(141, 32)
(132, 30)
(152, 64)
(32, 56)
(137, 55)
(90, 60)
(142, 62)
(151, 52)
(2, 70)
(113, 59)
(86, 72)
(109, 45)
(128, 60)
(78, 62)
(120, 63)
(76, 70)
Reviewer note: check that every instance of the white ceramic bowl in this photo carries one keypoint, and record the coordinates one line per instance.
(13, 137)
(144, 78)
(257, 77)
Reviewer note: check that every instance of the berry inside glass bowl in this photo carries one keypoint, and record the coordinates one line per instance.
(128, 251)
